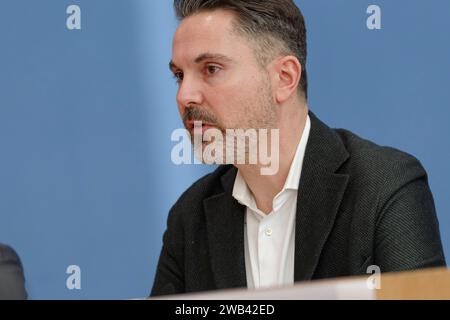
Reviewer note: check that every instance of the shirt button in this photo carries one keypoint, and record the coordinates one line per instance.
(268, 232)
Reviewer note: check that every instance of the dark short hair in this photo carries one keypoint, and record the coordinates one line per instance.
(274, 24)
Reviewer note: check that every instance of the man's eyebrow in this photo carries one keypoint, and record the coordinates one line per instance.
(201, 58)
(172, 66)
(212, 56)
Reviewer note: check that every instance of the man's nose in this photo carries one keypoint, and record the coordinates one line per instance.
(189, 93)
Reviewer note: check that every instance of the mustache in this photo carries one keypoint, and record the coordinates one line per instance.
(195, 113)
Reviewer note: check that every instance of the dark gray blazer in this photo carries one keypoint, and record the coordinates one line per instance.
(359, 204)
(12, 281)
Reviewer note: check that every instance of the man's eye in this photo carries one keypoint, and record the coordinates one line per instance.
(178, 76)
(212, 69)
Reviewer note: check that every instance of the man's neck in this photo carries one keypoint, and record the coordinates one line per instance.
(265, 187)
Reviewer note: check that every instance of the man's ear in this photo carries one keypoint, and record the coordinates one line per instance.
(288, 72)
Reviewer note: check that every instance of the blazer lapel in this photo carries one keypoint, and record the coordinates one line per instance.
(319, 196)
(225, 229)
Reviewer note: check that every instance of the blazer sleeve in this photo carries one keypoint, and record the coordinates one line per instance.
(407, 232)
(169, 278)
(12, 280)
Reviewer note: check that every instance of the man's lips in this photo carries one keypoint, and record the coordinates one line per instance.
(204, 126)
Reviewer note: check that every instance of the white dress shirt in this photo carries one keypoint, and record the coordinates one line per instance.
(270, 239)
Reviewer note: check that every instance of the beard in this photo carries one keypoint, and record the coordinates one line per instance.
(254, 113)
(198, 113)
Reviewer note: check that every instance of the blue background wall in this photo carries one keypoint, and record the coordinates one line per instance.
(86, 118)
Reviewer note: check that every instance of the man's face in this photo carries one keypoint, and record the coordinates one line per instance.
(220, 80)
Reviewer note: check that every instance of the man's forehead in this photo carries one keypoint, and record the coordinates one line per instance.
(206, 21)
(203, 29)
(209, 34)
(193, 45)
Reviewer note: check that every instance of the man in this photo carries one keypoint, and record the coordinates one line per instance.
(337, 203)
(12, 281)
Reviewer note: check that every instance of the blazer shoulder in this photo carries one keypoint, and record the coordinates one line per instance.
(7, 254)
(382, 165)
(12, 279)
